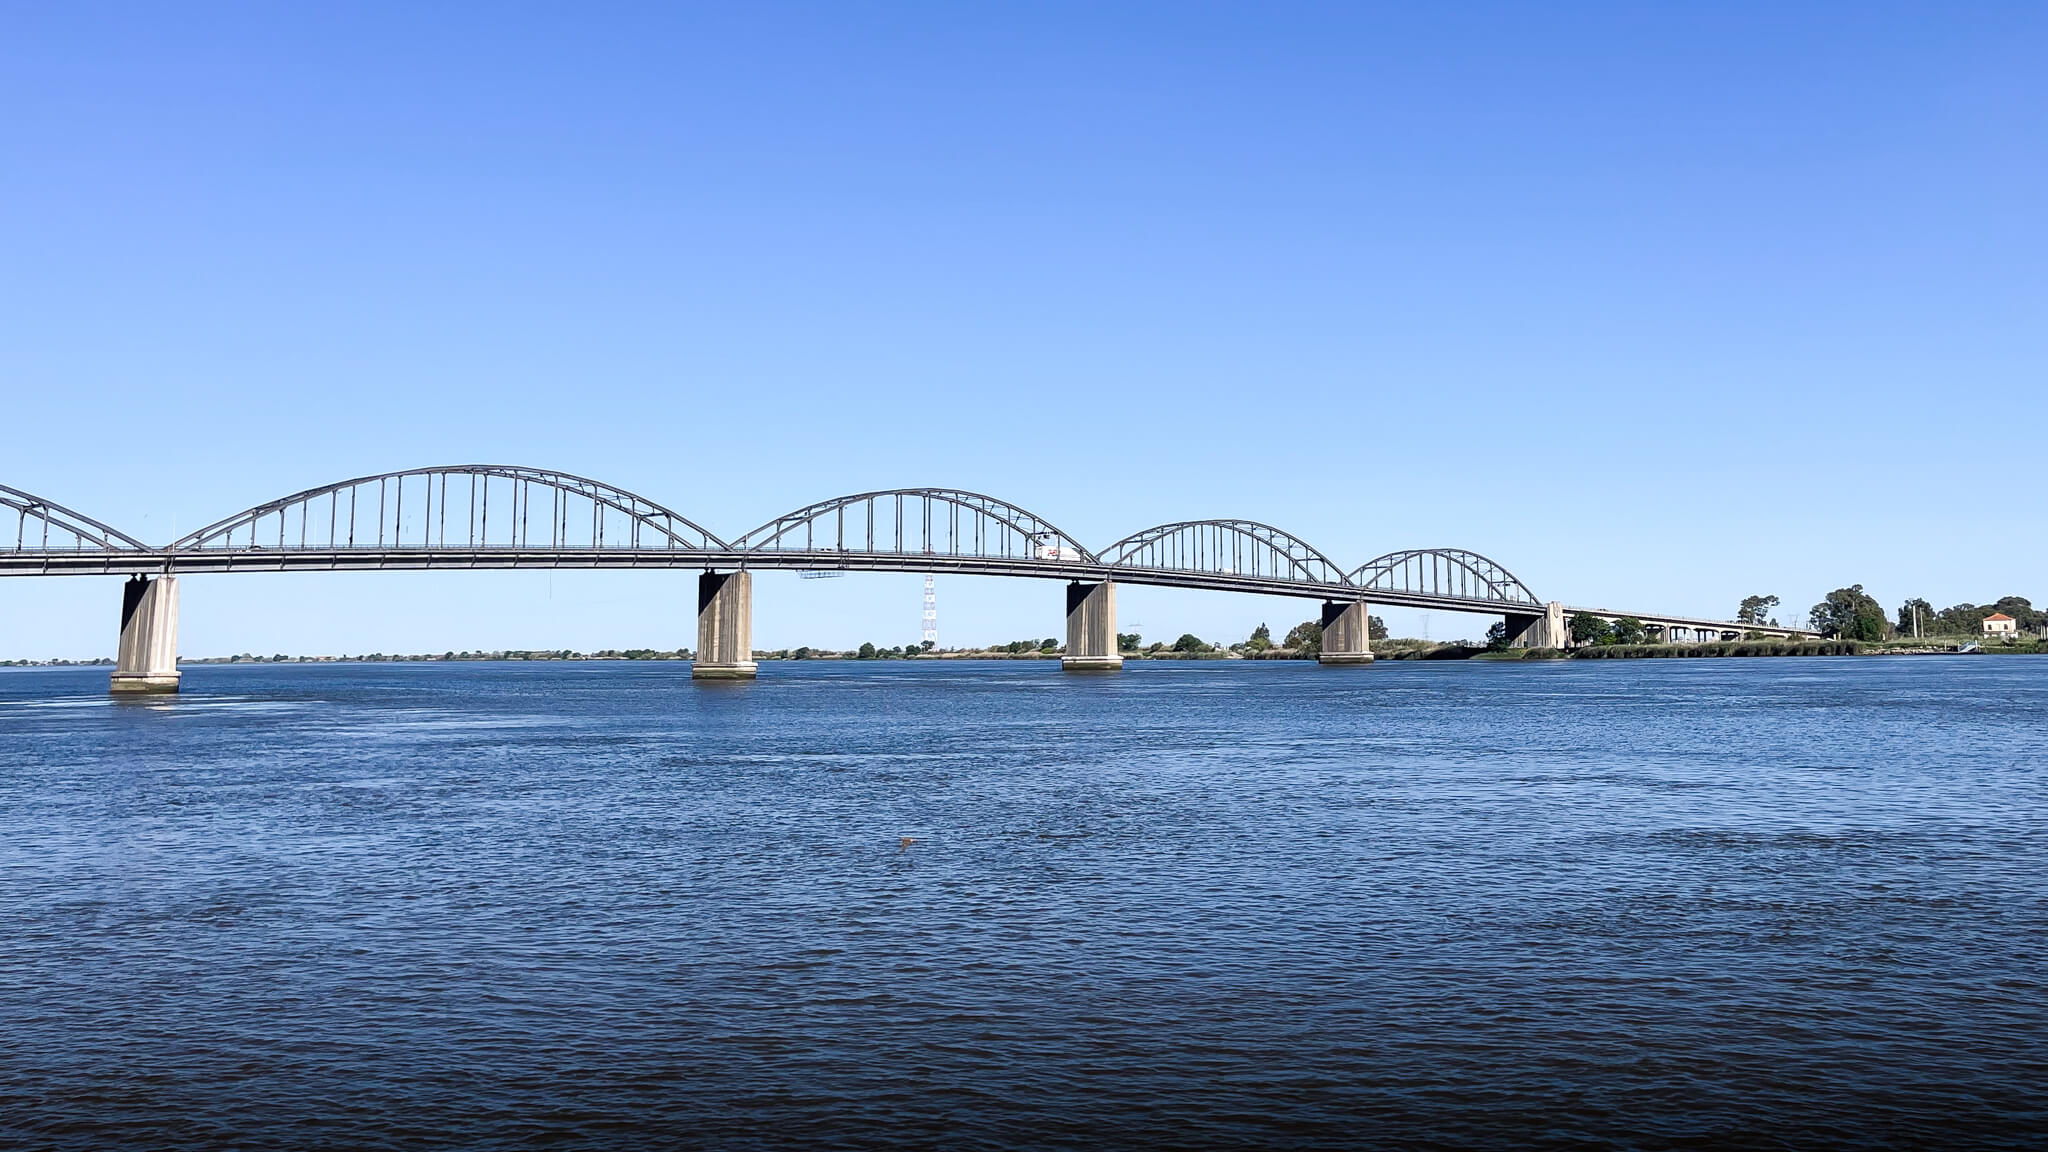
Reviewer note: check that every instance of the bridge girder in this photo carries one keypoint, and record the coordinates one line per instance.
(577, 510)
(505, 516)
(589, 524)
(917, 521)
(1235, 547)
(36, 517)
(1454, 572)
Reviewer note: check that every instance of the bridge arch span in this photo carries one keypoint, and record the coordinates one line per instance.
(36, 518)
(1243, 548)
(1452, 573)
(464, 508)
(918, 522)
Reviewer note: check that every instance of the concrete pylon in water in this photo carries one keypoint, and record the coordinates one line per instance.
(1091, 628)
(1545, 631)
(148, 660)
(725, 627)
(1347, 634)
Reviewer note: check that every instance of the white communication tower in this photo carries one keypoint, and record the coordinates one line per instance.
(931, 613)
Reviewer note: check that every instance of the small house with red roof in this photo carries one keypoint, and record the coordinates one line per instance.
(1999, 626)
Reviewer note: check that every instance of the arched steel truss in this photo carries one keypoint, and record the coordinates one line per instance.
(451, 510)
(479, 515)
(35, 519)
(1244, 548)
(917, 522)
(1451, 573)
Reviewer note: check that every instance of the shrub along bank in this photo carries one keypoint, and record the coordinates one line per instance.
(1725, 648)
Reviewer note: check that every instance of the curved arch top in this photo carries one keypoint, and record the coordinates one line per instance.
(35, 517)
(1447, 572)
(450, 507)
(1236, 547)
(917, 521)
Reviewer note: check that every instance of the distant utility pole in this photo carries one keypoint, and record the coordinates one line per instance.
(931, 613)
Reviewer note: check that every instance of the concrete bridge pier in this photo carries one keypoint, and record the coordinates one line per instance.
(1091, 628)
(148, 660)
(725, 627)
(1526, 630)
(1347, 634)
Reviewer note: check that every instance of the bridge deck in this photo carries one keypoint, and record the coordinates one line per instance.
(121, 562)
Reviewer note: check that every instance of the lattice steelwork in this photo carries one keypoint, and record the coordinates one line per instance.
(917, 522)
(41, 526)
(1243, 548)
(494, 516)
(469, 508)
(1451, 573)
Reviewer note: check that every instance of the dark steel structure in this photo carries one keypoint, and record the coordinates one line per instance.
(80, 543)
(497, 516)
(1452, 572)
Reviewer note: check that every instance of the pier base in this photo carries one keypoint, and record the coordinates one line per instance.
(148, 660)
(1347, 634)
(725, 627)
(1545, 631)
(1091, 628)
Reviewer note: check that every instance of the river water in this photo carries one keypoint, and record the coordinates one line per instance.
(1767, 903)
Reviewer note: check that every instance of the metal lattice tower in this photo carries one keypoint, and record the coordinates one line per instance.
(931, 613)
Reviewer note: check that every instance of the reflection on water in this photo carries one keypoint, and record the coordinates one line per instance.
(1632, 904)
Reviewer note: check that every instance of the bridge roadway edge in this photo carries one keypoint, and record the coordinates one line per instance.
(156, 562)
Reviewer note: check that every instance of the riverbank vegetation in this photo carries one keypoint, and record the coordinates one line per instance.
(1852, 614)
(1722, 648)
(1850, 620)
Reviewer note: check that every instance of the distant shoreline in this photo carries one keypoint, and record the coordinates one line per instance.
(1392, 651)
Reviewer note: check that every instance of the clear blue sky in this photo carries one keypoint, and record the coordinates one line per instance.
(1659, 305)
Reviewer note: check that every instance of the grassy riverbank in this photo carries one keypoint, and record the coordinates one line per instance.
(1723, 648)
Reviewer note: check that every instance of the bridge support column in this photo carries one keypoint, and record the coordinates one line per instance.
(1091, 628)
(1532, 631)
(725, 627)
(1347, 634)
(148, 660)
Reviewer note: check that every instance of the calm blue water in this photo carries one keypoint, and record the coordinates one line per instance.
(1769, 903)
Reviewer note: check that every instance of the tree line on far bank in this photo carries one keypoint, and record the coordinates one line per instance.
(1853, 614)
(1846, 614)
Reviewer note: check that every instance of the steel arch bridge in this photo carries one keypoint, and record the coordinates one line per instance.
(35, 518)
(501, 516)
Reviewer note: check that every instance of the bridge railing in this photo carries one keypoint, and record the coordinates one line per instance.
(508, 516)
(462, 508)
(45, 527)
(1448, 573)
(1245, 549)
(938, 522)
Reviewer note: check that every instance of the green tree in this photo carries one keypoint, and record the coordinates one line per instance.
(1049, 644)
(1849, 614)
(1375, 628)
(867, 652)
(1127, 641)
(927, 645)
(1755, 609)
(1305, 639)
(2021, 610)
(1629, 630)
(1916, 618)
(1261, 639)
(1590, 629)
(1497, 638)
(1191, 643)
